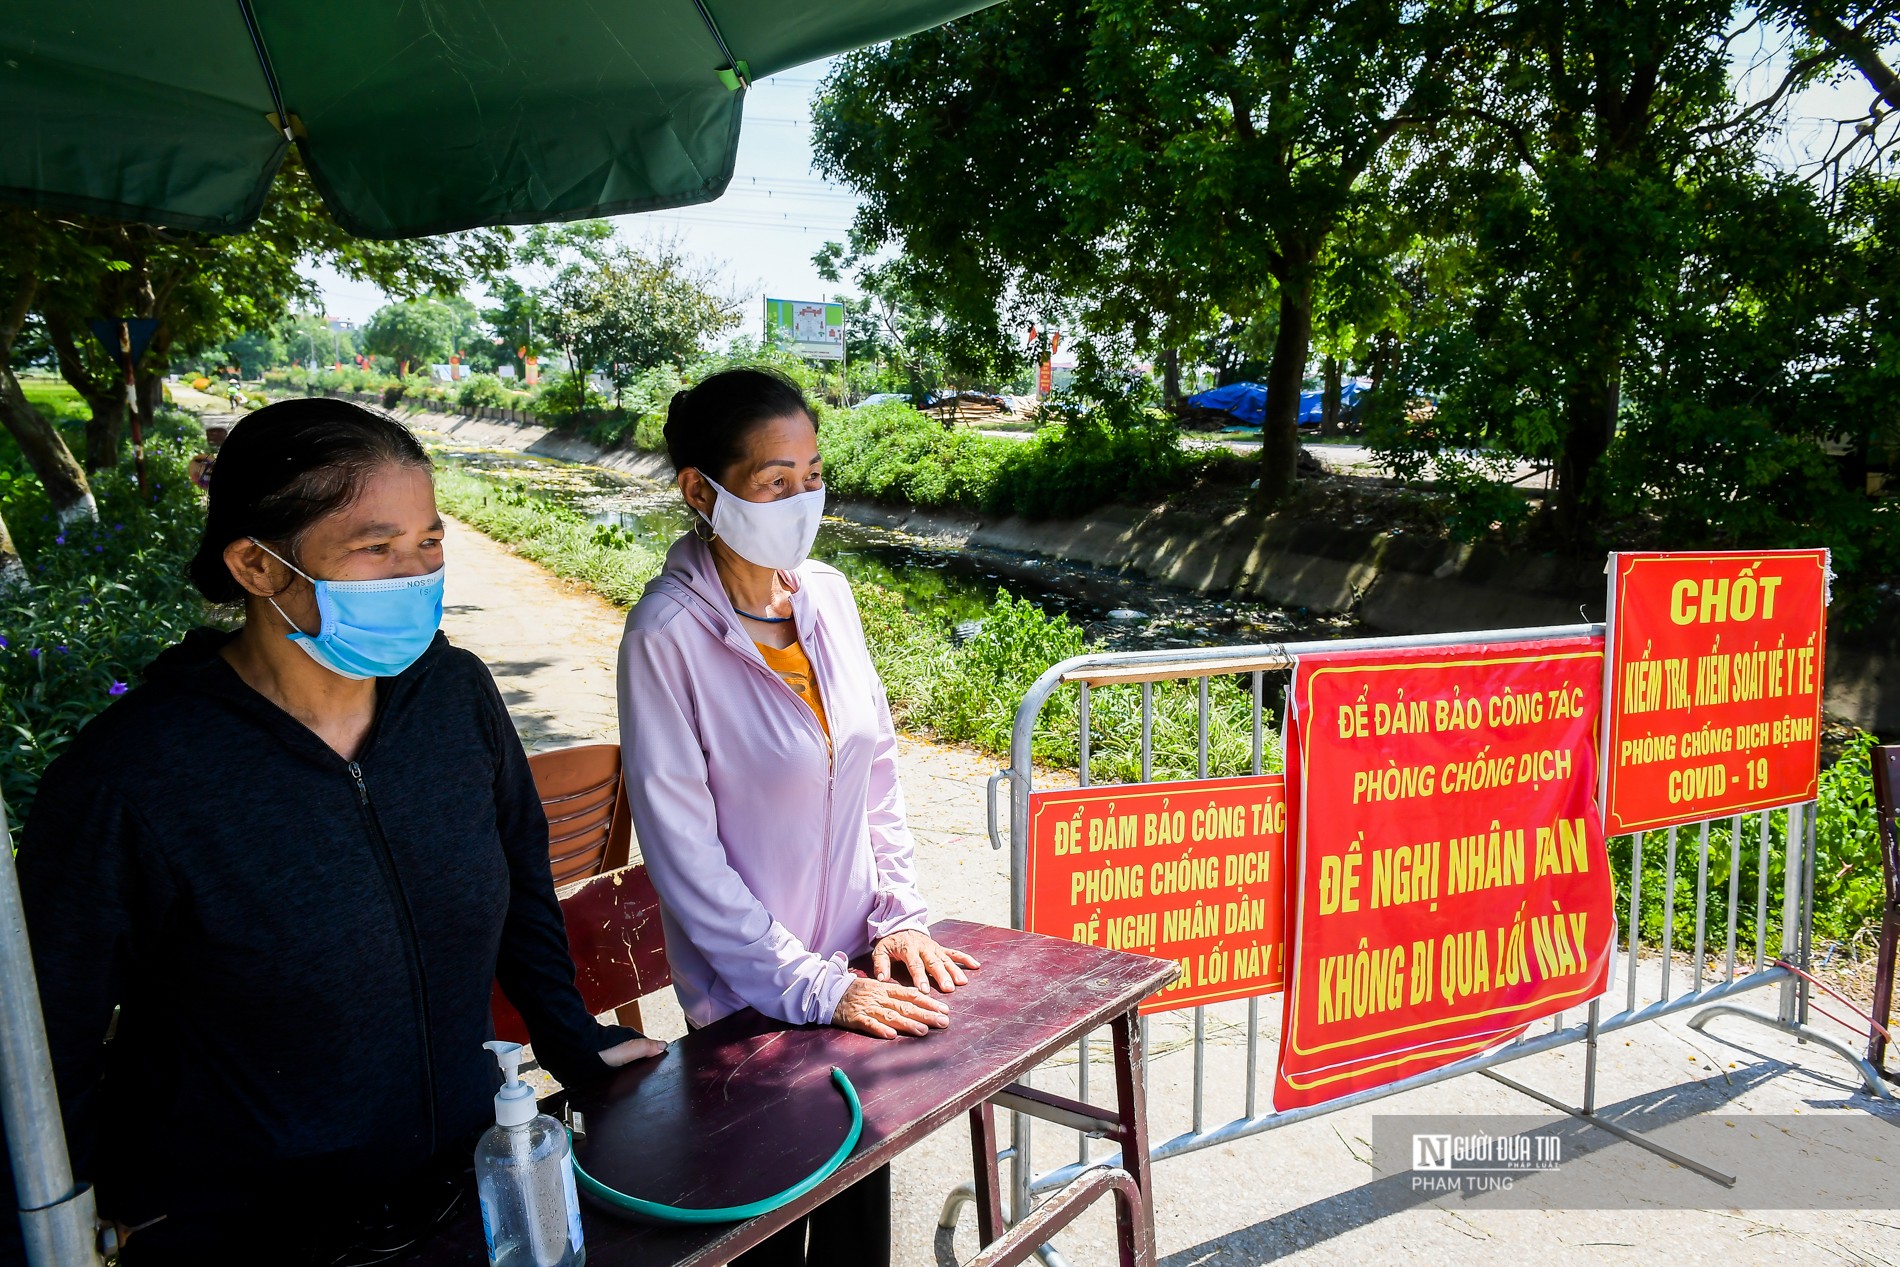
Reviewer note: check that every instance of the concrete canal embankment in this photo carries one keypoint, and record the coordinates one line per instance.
(1392, 583)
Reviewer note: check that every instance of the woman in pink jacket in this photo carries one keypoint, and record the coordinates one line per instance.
(762, 768)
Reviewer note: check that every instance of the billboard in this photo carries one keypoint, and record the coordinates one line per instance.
(812, 328)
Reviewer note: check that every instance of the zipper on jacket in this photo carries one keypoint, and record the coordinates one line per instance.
(411, 943)
(813, 654)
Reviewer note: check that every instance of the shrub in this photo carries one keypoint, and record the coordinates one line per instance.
(105, 599)
(483, 391)
(891, 452)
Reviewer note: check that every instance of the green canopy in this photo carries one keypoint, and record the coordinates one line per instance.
(412, 118)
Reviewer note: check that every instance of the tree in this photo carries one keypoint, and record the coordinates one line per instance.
(931, 345)
(1191, 174)
(29, 248)
(627, 309)
(308, 340)
(1557, 203)
(201, 289)
(416, 332)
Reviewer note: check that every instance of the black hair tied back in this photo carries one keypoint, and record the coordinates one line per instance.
(706, 426)
(284, 468)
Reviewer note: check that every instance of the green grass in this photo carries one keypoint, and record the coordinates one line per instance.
(969, 694)
(56, 399)
(959, 694)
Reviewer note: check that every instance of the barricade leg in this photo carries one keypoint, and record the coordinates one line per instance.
(1587, 1112)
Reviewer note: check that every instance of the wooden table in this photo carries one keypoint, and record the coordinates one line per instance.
(746, 1107)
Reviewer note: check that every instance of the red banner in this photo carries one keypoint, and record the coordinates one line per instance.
(1192, 872)
(1714, 694)
(1452, 881)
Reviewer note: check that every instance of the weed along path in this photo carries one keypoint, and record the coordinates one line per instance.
(1312, 1192)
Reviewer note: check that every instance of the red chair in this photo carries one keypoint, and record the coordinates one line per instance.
(611, 911)
(619, 949)
(590, 829)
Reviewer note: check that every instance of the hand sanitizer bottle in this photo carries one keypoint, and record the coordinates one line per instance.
(530, 1214)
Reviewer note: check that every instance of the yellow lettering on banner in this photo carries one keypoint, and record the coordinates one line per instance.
(1697, 784)
(1218, 822)
(1511, 709)
(1644, 751)
(1402, 718)
(1394, 783)
(1652, 685)
(1115, 832)
(1338, 880)
(1560, 944)
(1249, 868)
(1245, 916)
(1183, 875)
(1405, 873)
(1711, 681)
(1454, 714)
(1164, 828)
(1361, 983)
(1132, 932)
(1562, 850)
(1513, 963)
(1481, 774)
(1713, 600)
(1252, 962)
(1486, 860)
(1544, 767)
(1109, 883)
(1464, 966)
(1352, 721)
(1190, 923)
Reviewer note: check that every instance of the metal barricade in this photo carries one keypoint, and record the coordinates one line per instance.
(1724, 965)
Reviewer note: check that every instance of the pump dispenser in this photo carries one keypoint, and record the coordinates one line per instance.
(524, 1173)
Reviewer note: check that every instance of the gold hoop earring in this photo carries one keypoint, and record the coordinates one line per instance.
(703, 530)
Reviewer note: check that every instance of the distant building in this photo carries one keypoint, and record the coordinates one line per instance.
(339, 323)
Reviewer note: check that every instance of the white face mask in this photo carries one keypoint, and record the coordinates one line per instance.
(776, 534)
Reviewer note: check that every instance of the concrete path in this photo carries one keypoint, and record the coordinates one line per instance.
(1310, 1192)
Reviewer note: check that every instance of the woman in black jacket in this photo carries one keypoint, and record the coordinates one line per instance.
(293, 860)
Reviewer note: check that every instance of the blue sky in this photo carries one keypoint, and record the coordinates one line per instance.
(773, 216)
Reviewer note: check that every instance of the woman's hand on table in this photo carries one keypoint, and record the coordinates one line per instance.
(929, 963)
(885, 1009)
(631, 1050)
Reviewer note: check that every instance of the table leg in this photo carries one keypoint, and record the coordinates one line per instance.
(989, 1180)
(1135, 1224)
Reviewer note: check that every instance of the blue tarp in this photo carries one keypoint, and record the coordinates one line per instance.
(1247, 402)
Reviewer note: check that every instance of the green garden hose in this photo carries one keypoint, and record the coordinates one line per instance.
(734, 1213)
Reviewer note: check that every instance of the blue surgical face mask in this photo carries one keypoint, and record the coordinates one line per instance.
(369, 628)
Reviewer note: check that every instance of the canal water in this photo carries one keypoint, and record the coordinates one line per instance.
(955, 584)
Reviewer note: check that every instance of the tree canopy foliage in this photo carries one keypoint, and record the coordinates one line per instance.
(56, 272)
(1541, 229)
